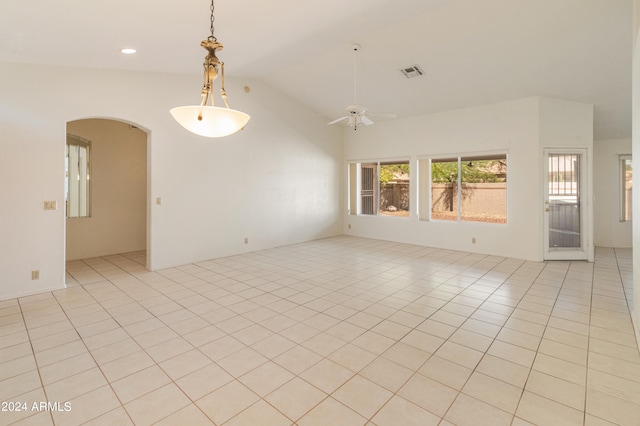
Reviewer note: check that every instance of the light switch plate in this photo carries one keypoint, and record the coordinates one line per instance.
(50, 205)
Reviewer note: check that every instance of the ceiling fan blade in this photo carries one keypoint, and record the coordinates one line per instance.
(382, 114)
(366, 120)
(337, 120)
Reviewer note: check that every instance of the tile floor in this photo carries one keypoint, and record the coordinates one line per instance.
(340, 331)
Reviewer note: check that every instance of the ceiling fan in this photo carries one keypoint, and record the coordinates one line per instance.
(357, 115)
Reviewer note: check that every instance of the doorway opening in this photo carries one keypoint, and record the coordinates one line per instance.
(113, 183)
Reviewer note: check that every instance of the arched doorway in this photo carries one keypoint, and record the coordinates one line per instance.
(115, 219)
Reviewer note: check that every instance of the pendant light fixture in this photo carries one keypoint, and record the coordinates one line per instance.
(209, 120)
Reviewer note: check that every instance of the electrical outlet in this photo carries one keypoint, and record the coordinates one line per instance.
(473, 240)
(349, 226)
(35, 275)
(50, 205)
(159, 200)
(246, 240)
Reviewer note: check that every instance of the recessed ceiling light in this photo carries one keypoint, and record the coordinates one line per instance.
(128, 51)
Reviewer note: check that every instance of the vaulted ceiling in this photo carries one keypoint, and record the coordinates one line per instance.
(472, 51)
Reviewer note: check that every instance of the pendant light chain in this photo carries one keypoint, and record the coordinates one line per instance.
(212, 37)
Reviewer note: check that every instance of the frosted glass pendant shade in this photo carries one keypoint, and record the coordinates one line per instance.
(210, 121)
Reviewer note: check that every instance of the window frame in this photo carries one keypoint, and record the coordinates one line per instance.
(355, 187)
(77, 141)
(425, 188)
(625, 205)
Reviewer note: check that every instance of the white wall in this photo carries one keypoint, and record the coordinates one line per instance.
(284, 169)
(635, 121)
(610, 231)
(521, 128)
(118, 220)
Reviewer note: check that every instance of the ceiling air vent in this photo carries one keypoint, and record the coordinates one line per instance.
(412, 71)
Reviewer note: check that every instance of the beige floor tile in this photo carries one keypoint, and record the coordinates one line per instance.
(566, 337)
(17, 366)
(438, 329)
(563, 351)
(501, 369)
(387, 374)
(446, 372)
(406, 355)
(327, 375)
(87, 406)
(297, 359)
(74, 386)
(400, 411)
(605, 406)
(428, 394)
(185, 363)
(615, 366)
(126, 365)
(11, 388)
(614, 350)
(140, 383)
(345, 331)
(331, 412)
(471, 340)
(58, 353)
(518, 338)
(117, 350)
(204, 381)
(53, 340)
(559, 368)
(362, 395)
(513, 353)
(273, 346)
(615, 386)
(556, 389)
(539, 410)
(157, 404)
(67, 367)
(468, 411)
(423, 341)
(227, 401)
(266, 378)
(118, 416)
(459, 354)
(221, 348)
(364, 320)
(323, 344)
(155, 337)
(259, 413)
(481, 327)
(373, 342)
(299, 332)
(190, 415)
(352, 357)
(295, 398)
(590, 420)
(493, 391)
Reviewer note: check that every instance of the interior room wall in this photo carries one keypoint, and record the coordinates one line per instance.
(118, 220)
(636, 165)
(521, 128)
(610, 231)
(274, 183)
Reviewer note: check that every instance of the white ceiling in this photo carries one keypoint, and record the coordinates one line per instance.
(472, 51)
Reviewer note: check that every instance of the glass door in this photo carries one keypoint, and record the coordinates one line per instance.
(564, 215)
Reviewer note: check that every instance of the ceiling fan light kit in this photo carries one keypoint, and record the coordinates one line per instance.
(209, 120)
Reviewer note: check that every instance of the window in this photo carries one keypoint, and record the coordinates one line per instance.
(626, 175)
(380, 188)
(77, 184)
(467, 189)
